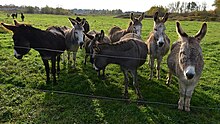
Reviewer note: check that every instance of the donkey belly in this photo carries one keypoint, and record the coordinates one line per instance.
(73, 47)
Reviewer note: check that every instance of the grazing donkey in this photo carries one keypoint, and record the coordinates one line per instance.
(135, 26)
(158, 43)
(49, 45)
(186, 62)
(95, 38)
(130, 54)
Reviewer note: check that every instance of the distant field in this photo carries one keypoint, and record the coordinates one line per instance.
(22, 102)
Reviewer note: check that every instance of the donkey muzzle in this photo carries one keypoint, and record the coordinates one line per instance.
(81, 45)
(190, 72)
(160, 44)
(18, 57)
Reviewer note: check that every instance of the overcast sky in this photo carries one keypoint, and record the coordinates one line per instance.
(124, 5)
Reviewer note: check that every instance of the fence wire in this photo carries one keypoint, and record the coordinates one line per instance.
(112, 98)
(60, 51)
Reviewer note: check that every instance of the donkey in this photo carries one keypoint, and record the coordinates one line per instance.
(186, 62)
(22, 17)
(129, 54)
(14, 15)
(158, 43)
(95, 38)
(74, 38)
(116, 33)
(135, 26)
(49, 45)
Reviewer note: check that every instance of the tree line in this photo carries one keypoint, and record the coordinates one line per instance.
(58, 10)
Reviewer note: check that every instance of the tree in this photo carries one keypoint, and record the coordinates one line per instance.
(217, 5)
(160, 9)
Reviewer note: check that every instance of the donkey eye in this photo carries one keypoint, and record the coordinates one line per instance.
(155, 29)
(183, 60)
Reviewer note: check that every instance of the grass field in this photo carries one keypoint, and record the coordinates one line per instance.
(21, 101)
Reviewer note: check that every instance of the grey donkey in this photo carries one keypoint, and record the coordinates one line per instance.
(186, 62)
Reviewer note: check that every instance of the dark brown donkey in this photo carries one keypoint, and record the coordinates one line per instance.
(129, 53)
(158, 43)
(49, 45)
(186, 62)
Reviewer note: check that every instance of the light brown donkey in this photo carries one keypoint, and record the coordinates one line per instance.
(158, 43)
(186, 62)
(135, 26)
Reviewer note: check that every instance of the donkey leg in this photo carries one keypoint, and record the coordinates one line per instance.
(189, 93)
(158, 67)
(182, 92)
(53, 60)
(169, 77)
(181, 102)
(58, 64)
(86, 56)
(74, 60)
(46, 65)
(151, 67)
(136, 84)
(126, 80)
(68, 57)
(187, 103)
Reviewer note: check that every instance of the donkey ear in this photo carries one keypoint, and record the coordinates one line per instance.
(83, 22)
(202, 32)
(9, 27)
(89, 36)
(156, 18)
(130, 26)
(132, 16)
(73, 21)
(165, 18)
(180, 31)
(78, 19)
(141, 17)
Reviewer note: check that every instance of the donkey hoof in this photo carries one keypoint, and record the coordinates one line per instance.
(187, 109)
(180, 107)
(167, 83)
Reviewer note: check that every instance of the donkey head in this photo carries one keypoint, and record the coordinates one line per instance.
(190, 54)
(20, 38)
(98, 38)
(159, 28)
(77, 32)
(137, 25)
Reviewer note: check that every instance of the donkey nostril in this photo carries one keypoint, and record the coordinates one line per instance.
(189, 75)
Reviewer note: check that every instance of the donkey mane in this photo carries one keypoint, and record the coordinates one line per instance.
(122, 45)
(58, 28)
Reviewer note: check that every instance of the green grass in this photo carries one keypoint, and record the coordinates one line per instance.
(30, 105)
